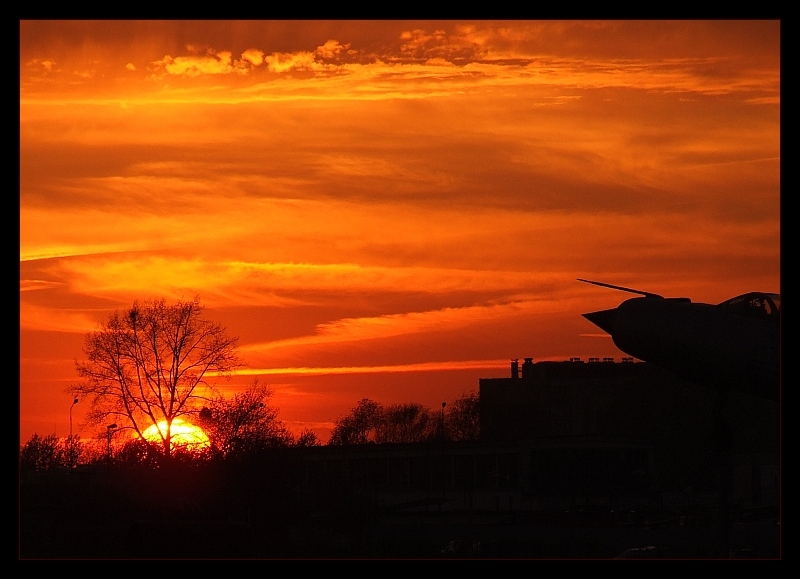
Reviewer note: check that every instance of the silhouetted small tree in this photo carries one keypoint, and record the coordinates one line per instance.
(244, 423)
(360, 426)
(409, 422)
(463, 417)
(307, 437)
(43, 453)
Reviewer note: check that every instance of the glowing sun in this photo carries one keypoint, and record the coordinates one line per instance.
(183, 434)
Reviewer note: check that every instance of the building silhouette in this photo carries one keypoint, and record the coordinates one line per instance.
(686, 426)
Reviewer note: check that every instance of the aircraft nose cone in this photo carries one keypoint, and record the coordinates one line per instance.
(603, 319)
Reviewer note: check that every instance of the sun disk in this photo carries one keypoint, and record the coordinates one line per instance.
(183, 434)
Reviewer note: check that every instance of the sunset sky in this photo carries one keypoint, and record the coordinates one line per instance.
(386, 209)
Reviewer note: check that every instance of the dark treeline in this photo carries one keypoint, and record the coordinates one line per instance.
(235, 426)
(246, 423)
(372, 422)
(245, 494)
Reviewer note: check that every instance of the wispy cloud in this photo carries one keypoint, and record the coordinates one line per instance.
(421, 367)
(392, 325)
(27, 285)
(48, 319)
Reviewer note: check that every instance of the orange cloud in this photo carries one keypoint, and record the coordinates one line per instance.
(428, 71)
(421, 367)
(439, 46)
(214, 63)
(284, 62)
(46, 64)
(331, 49)
(253, 56)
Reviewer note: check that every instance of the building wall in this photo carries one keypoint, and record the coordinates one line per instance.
(631, 401)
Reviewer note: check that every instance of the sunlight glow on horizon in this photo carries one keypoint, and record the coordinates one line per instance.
(182, 434)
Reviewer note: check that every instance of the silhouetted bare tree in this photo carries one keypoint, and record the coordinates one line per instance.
(245, 422)
(144, 365)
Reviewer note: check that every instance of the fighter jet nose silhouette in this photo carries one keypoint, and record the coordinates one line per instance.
(733, 345)
(603, 319)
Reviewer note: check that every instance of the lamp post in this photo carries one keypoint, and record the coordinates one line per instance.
(71, 442)
(74, 402)
(441, 425)
(441, 460)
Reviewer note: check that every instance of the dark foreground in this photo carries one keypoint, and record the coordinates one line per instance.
(206, 513)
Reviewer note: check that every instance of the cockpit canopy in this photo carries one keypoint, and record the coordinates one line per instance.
(755, 305)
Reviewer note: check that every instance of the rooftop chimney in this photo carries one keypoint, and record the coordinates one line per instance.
(527, 369)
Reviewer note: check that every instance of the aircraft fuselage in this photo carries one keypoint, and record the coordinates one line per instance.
(704, 343)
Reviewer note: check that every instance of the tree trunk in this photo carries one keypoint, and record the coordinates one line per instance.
(168, 440)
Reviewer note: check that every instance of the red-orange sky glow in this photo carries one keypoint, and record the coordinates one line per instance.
(386, 209)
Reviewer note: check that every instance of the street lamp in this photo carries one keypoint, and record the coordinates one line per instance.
(74, 402)
(71, 442)
(442, 422)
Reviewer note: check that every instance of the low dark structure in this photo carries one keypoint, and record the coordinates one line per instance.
(688, 427)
